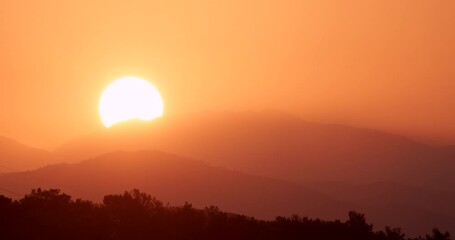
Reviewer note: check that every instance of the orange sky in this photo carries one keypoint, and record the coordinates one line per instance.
(383, 64)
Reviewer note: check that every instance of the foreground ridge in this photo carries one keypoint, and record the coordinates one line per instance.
(50, 214)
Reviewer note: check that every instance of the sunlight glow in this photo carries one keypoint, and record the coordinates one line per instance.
(130, 98)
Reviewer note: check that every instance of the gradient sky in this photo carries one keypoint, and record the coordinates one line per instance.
(383, 64)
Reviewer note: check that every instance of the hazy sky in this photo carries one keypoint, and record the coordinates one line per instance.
(383, 64)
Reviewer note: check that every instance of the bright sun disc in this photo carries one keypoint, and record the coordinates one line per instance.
(130, 98)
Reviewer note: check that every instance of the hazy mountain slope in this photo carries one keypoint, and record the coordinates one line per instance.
(282, 146)
(176, 179)
(386, 194)
(15, 156)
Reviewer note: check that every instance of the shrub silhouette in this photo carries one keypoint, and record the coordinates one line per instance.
(50, 214)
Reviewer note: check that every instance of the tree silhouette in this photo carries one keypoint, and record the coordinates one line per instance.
(358, 226)
(438, 235)
(394, 233)
(50, 214)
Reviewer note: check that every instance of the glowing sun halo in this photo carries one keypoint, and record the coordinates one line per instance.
(130, 98)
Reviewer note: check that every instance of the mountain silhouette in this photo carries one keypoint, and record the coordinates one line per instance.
(282, 146)
(15, 156)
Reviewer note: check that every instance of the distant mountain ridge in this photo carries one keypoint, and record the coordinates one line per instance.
(281, 146)
(15, 156)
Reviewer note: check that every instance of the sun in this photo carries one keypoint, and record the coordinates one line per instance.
(130, 98)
